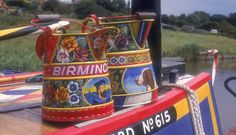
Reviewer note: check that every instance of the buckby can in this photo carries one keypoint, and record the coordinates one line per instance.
(75, 84)
(131, 71)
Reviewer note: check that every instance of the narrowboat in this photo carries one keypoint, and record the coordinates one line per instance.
(184, 106)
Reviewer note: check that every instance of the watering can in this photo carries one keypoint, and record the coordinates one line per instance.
(75, 84)
(131, 71)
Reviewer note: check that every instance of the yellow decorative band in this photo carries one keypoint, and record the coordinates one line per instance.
(122, 22)
(130, 66)
(129, 59)
(76, 63)
(78, 108)
(76, 69)
(75, 78)
(139, 93)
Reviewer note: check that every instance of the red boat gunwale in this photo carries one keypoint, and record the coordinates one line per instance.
(9, 79)
(112, 124)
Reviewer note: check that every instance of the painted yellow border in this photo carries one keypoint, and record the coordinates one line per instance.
(9, 31)
(121, 22)
(77, 108)
(74, 78)
(83, 34)
(128, 52)
(203, 92)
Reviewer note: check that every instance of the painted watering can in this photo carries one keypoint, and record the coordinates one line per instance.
(76, 84)
(131, 71)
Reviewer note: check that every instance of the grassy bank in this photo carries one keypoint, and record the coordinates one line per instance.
(19, 53)
(173, 41)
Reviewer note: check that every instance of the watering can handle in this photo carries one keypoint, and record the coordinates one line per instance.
(44, 18)
(93, 18)
(226, 84)
(145, 15)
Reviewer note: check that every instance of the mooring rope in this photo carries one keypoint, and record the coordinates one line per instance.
(193, 106)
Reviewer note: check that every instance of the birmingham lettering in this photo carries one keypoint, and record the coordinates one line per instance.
(77, 70)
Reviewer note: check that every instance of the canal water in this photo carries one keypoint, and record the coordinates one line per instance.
(225, 101)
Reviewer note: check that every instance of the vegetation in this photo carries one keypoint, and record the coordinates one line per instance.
(176, 43)
(19, 53)
(202, 20)
(10, 21)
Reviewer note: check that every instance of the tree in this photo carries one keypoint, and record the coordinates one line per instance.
(57, 7)
(232, 19)
(85, 8)
(198, 17)
(209, 25)
(19, 3)
(113, 5)
(172, 20)
(182, 17)
(181, 20)
(51, 5)
(107, 4)
(118, 5)
(193, 19)
(165, 18)
(218, 18)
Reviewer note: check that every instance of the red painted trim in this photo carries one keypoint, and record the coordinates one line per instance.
(112, 124)
(17, 77)
(67, 115)
(154, 95)
(22, 74)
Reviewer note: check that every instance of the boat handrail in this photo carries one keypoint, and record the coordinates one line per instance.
(227, 87)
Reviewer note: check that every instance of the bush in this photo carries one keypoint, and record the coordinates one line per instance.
(209, 25)
(19, 3)
(227, 28)
(189, 52)
(57, 7)
(8, 20)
